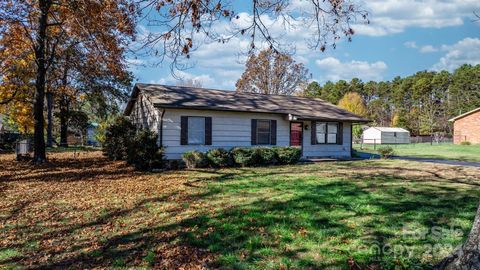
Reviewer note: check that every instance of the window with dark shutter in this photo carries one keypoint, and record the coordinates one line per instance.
(273, 132)
(327, 133)
(208, 130)
(254, 132)
(195, 130)
(264, 132)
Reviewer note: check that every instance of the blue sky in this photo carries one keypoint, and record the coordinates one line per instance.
(404, 36)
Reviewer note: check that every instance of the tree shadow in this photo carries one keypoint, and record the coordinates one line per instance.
(318, 222)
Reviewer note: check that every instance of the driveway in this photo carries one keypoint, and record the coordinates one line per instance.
(430, 160)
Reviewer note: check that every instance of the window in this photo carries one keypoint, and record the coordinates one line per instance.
(326, 133)
(196, 130)
(332, 130)
(263, 132)
(321, 132)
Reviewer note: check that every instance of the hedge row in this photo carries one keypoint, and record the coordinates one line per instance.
(242, 156)
(138, 147)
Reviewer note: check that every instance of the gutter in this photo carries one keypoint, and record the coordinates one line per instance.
(160, 133)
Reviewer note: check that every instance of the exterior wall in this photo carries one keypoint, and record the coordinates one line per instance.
(144, 114)
(231, 129)
(327, 150)
(467, 129)
(372, 135)
(389, 137)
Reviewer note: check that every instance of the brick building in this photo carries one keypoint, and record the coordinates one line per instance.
(466, 127)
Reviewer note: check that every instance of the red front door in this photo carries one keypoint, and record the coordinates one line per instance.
(296, 130)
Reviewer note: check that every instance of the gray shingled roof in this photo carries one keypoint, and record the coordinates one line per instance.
(164, 96)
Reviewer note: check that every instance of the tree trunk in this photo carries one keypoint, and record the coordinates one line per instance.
(64, 112)
(49, 119)
(39, 99)
(466, 257)
(64, 106)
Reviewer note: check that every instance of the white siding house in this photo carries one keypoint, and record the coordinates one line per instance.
(385, 135)
(186, 127)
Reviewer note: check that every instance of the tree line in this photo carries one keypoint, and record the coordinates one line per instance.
(422, 103)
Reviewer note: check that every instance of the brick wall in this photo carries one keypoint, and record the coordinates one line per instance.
(467, 129)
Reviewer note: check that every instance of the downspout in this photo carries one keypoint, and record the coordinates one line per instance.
(160, 132)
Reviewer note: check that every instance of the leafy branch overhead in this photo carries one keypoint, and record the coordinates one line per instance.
(185, 24)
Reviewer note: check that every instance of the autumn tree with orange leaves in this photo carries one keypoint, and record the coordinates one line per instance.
(100, 29)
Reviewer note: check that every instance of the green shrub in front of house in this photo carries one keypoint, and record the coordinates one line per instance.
(386, 151)
(242, 156)
(219, 157)
(288, 155)
(266, 156)
(245, 157)
(143, 151)
(195, 159)
(465, 143)
(118, 137)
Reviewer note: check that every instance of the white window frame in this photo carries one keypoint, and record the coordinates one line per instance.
(326, 132)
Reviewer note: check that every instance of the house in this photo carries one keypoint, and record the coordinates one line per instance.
(385, 135)
(189, 118)
(466, 127)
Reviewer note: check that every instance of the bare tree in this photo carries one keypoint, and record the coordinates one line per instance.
(185, 24)
(271, 72)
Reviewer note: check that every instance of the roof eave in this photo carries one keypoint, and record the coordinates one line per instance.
(308, 118)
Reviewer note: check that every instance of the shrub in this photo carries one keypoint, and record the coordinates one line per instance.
(245, 157)
(195, 159)
(465, 143)
(385, 151)
(143, 152)
(288, 155)
(118, 136)
(220, 158)
(266, 155)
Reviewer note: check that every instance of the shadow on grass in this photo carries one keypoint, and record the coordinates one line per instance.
(308, 222)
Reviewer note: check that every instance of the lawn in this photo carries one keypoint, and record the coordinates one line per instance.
(88, 212)
(437, 151)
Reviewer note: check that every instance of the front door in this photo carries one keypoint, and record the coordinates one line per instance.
(296, 134)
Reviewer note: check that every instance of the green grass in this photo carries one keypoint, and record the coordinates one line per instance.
(303, 220)
(382, 214)
(437, 151)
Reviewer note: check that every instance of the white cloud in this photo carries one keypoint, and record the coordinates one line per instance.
(422, 49)
(394, 16)
(411, 44)
(466, 51)
(334, 70)
(428, 49)
(204, 79)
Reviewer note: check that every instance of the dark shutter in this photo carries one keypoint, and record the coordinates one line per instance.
(314, 133)
(184, 130)
(254, 131)
(340, 133)
(273, 132)
(208, 130)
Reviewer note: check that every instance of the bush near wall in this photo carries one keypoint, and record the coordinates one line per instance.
(242, 156)
(220, 158)
(195, 159)
(138, 147)
(143, 152)
(118, 136)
